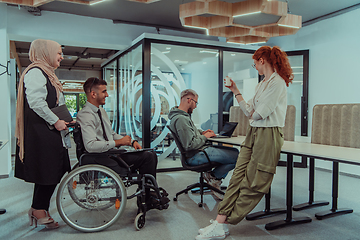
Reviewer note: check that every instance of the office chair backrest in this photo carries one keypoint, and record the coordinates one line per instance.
(80, 148)
(177, 141)
(182, 150)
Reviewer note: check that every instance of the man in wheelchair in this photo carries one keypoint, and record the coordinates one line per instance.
(99, 137)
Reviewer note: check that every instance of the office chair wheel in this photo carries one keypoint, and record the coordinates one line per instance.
(91, 198)
(175, 199)
(139, 221)
(200, 204)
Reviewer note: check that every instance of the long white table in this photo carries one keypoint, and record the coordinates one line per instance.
(313, 151)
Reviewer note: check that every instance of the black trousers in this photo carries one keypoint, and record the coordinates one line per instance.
(145, 162)
(42, 195)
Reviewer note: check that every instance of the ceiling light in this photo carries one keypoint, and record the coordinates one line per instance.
(181, 62)
(269, 18)
(209, 51)
(283, 25)
(233, 54)
(144, 1)
(235, 42)
(93, 2)
(257, 42)
(246, 14)
(168, 48)
(165, 52)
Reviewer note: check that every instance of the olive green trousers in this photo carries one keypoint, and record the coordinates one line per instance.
(253, 173)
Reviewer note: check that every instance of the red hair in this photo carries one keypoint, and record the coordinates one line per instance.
(278, 60)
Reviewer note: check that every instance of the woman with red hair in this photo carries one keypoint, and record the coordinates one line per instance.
(260, 151)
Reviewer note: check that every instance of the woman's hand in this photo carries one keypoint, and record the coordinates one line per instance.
(232, 87)
(60, 125)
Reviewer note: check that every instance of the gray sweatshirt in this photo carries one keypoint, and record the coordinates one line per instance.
(182, 125)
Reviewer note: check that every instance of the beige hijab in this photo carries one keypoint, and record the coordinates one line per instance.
(42, 54)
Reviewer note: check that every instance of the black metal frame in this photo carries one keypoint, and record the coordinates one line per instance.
(304, 102)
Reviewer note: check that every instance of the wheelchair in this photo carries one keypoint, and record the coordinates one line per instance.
(92, 197)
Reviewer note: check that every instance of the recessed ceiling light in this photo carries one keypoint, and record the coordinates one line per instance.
(168, 48)
(233, 54)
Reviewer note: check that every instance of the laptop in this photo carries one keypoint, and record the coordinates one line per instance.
(62, 112)
(227, 130)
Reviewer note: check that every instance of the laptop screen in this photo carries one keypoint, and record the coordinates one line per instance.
(228, 129)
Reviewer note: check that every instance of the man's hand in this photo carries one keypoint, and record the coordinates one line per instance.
(136, 145)
(209, 134)
(126, 140)
(60, 125)
(206, 131)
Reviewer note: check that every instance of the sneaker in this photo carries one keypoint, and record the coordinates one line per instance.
(208, 177)
(213, 232)
(216, 183)
(225, 226)
(218, 195)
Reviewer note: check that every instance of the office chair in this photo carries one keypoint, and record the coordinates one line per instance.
(198, 168)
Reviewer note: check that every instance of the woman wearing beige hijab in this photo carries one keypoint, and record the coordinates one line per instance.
(42, 156)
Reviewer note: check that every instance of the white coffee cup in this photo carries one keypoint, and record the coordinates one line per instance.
(227, 81)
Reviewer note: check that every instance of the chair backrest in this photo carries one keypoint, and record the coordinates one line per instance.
(80, 148)
(237, 115)
(289, 128)
(336, 125)
(183, 152)
(184, 156)
(178, 143)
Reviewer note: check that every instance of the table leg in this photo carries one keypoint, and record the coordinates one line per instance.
(334, 211)
(311, 202)
(289, 200)
(268, 212)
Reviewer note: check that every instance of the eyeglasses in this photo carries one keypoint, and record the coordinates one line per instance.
(196, 103)
(253, 65)
(61, 54)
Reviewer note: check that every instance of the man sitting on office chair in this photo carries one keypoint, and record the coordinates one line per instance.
(192, 138)
(98, 136)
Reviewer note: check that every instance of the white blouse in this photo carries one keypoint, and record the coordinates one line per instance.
(269, 101)
(36, 92)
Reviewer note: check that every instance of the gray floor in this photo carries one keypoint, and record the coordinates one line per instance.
(183, 218)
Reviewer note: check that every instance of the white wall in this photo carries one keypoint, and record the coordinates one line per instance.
(204, 80)
(333, 56)
(334, 62)
(5, 116)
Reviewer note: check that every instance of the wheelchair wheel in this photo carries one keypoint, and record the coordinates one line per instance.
(91, 198)
(139, 221)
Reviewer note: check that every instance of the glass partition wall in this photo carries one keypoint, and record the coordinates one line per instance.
(145, 82)
(109, 75)
(173, 69)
